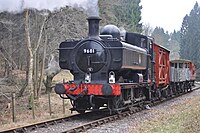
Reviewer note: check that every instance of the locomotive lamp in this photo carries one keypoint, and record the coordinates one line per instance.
(111, 77)
(87, 77)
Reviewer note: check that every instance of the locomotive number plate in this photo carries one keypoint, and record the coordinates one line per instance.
(89, 51)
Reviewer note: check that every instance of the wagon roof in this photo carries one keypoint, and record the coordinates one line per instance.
(180, 61)
(158, 45)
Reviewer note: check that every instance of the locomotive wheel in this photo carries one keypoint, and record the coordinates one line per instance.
(188, 87)
(165, 93)
(118, 103)
(170, 90)
(80, 106)
(158, 94)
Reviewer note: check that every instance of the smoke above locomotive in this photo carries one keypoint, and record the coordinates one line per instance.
(15, 6)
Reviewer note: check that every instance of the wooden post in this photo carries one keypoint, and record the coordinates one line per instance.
(49, 99)
(13, 108)
(63, 106)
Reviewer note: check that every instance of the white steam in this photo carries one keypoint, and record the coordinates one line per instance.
(91, 6)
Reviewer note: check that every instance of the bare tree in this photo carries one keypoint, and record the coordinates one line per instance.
(147, 29)
(7, 50)
(33, 51)
(29, 38)
(42, 67)
(30, 67)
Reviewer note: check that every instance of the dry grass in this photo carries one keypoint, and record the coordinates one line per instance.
(63, 75)
(183, 118)
(24, 114)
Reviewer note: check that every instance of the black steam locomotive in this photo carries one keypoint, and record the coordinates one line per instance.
(101, 63)
(119, 71)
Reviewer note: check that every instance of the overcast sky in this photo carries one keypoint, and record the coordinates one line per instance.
(164, 13)
(168, 14)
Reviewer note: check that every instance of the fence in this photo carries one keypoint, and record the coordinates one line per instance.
(16, 109)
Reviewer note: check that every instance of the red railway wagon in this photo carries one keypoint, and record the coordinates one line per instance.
(192, 71)
(162, 65)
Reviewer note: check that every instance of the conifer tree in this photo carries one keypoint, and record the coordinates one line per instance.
(190, 36)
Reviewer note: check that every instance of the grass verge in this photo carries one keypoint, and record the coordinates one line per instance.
(180, 118)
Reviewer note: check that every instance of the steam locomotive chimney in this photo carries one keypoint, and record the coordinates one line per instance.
(93, 23)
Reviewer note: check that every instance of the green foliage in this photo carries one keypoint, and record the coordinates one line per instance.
(170, 41)
(106, 12)
(176, 36)
(190, 36)
(160, 36)
(174, 45)
(126, 13)
(129, 12)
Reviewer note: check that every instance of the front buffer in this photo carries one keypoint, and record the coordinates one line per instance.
(88, 96)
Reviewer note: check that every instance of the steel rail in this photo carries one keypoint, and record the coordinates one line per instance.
(44, 124)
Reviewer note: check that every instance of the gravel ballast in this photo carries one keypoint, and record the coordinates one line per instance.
(136, 122)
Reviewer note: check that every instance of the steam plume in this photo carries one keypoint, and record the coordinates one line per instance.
(91, 6)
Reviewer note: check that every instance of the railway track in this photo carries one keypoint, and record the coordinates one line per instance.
(84, 122)
(66, 122)
(90, 125)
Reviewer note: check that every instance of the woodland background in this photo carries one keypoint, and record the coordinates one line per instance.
(29, 40)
